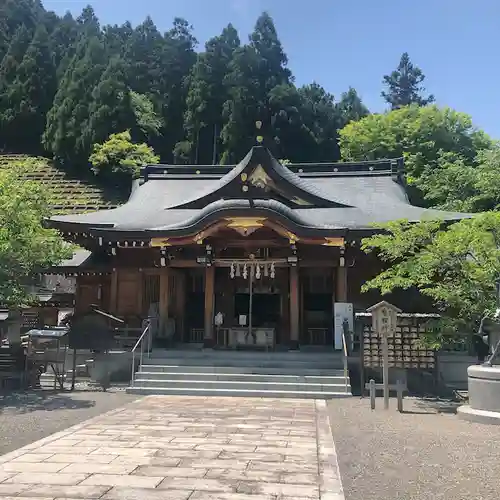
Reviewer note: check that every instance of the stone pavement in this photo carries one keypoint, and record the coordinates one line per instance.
(179, 448)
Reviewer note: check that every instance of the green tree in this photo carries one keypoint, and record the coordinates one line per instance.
(420, 134)
(110, 108)
(8, 71)
(456, 266)
(322, 118)
(26, 247)
(63, 43)
(206, 96)
(177, 59)
(119, 158)
(15, 14)
(455, 184)
(13, 58)
(148, 122)
(351, 108)
(71, 107)
(28, 99)
(143, 54)
(404, 85)
(255, 70)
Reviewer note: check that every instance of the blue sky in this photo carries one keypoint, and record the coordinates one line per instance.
(354, 43)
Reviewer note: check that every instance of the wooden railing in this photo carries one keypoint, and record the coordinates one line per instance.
(196, 335)
(317, 336)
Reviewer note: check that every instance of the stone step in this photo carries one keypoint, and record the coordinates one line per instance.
(250, 370)
(236, 354)
(236, 385)
(248, 362)
(240, 377)
(236, 392)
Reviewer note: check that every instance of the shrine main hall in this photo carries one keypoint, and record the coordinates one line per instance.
(256, 253)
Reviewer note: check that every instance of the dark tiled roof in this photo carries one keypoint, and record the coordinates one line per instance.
(178, 199)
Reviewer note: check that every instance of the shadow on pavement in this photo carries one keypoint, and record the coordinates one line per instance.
(437, 405)
(45, 400)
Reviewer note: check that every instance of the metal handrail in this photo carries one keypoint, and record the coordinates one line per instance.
(147, 331)
(346, 365)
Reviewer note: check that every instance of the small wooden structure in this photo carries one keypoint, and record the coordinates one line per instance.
(46, 349)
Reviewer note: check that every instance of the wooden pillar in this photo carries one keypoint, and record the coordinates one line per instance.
(164, 299)
(113, 300)
(341, 284)
(209, 339)
(294, 307)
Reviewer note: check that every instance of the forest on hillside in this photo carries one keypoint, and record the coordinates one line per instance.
(67, 84)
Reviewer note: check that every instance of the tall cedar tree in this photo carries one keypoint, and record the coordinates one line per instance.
(8, 71)
(177, 60)
(111, 108)
(404, 85)
(322, 117)
(351, 108)
(256, 69)
(30, 96)
(13, 15)
(63, 135)
(206, 97)
(63, 43)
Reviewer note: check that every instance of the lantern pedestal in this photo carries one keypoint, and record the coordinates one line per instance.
(484, 395)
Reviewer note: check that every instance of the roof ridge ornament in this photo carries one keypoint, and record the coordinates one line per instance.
(259, 138)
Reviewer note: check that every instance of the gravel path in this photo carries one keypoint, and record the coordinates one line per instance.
(27, 417)
(426, 453)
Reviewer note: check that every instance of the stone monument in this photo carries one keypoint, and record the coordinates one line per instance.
(484, 380)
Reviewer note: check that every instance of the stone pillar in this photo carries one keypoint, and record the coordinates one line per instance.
(294, 307)
(209, 340)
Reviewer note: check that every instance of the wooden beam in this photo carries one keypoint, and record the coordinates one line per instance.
(113, 300)
(164, 299)
(294, 308)
(209, 340)
(341, 284)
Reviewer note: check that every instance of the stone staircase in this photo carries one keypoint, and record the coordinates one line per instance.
(291, 374)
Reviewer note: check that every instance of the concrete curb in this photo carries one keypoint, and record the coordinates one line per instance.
(330, 482)
(465, 412)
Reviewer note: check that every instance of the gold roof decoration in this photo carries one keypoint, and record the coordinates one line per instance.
(260, 179)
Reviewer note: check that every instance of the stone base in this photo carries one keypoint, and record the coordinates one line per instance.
(465, 412)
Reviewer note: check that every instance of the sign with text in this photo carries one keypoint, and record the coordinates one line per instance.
(384, 318)
(343, 321)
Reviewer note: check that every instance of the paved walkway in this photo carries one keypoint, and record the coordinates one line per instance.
(181, 448)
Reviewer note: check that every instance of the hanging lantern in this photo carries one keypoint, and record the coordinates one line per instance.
(238, 270)
(245, 272)
(273, 271)
(257, 272)
(266, 270)
(232, 270)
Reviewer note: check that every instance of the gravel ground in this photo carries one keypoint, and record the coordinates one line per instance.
(29, 416)
(425, 453)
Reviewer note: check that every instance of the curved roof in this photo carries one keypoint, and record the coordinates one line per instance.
(325, 197)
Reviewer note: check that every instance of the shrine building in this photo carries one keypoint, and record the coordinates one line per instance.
(258, 252)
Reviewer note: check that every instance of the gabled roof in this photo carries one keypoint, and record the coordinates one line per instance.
(321, 199)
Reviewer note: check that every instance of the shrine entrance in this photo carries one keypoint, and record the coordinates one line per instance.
(249, 295)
